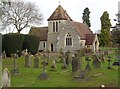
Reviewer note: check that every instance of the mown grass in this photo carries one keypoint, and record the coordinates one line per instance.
(28, 77)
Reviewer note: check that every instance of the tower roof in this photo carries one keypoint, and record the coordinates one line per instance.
(59, 14)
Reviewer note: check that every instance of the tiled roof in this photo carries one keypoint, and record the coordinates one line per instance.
(90, 39)
(40, 32)
(59, 14)
(81, 28)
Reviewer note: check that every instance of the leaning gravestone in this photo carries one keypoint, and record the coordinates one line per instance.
(27, 60)
(15, 68)
(6, 78)
(43, 75)
(87, 68)
(96, 61)
(36, 61)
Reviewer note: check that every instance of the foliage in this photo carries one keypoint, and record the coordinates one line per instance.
(12, 42)
(115, 36)
(19, 15)
(86, 17)
(105, 35)
(31, 43)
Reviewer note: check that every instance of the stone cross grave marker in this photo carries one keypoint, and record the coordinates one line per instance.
(109, 66)
(6, 80)
(36, 61)
(87, 68)
(15, 68)
(43, 75)
(27, 60)
(96, 61)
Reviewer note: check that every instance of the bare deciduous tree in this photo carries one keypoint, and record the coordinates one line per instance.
(20, 15)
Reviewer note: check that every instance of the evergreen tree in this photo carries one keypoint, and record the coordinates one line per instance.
(86, 16)
(105, 35)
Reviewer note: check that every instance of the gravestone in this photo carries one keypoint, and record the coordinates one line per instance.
(74, 65)
(96, 61)
(61, 55)
(36, 61)
(87, 68)
(67, 57)
(4, 55)
(27, 60)
(6, 78)
(53, 66)
(64, 66)
(109, 66)
(15, 68)
(79, 59)
(43, 75)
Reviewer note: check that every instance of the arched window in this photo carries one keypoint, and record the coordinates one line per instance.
(68, 40)
(53, 26)
(56, 26)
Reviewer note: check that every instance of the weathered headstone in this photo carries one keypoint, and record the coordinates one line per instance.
(43, 75)
(4, 54)
(53, 66)
(36, 61)
(27, 60)
(79, 59)
(87, 68)
(74, 65)
(64, 66)
(96, 61)
(15, 68)
(67, 57)
(6, 80)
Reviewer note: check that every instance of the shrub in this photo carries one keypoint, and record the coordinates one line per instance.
(12, 42)
(31, 43)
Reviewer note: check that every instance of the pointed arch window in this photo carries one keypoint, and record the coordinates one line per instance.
(53, 26)
(56, 26)
(68, 40)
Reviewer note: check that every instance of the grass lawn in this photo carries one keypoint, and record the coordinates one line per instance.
(28, 77)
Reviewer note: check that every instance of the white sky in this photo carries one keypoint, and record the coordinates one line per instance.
(75, 9)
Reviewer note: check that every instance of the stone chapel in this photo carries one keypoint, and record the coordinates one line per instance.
(64, 33)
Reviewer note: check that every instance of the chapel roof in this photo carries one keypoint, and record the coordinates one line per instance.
(81, 28)
(40, 32)
(59, 14)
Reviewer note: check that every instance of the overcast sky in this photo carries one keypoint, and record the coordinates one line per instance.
(75, 9)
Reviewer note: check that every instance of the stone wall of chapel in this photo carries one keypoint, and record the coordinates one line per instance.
(61, 44)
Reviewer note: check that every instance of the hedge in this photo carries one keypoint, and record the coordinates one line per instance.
(31, 43)
(12, 42)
